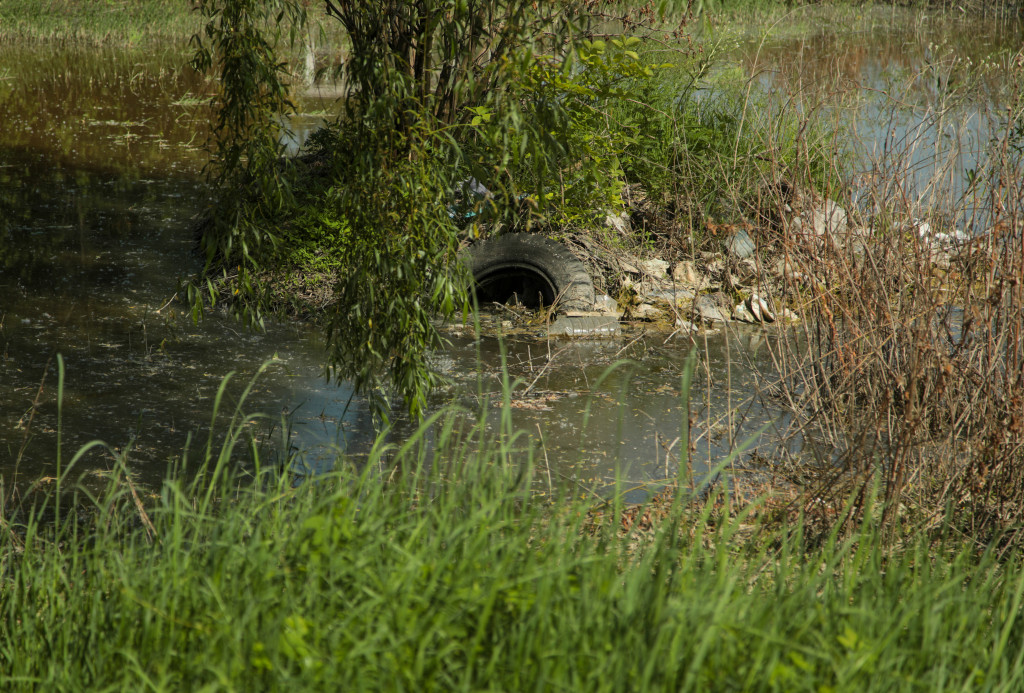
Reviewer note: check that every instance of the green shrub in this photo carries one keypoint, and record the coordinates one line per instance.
(555, 133)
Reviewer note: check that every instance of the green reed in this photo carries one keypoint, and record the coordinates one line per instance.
(97, 21)
(434, 567)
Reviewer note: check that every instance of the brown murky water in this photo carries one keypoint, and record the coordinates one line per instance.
(100, 174)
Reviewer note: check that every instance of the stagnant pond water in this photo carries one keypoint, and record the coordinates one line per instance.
(920, 98)
(100, 175)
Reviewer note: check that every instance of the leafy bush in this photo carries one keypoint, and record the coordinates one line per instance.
(707, 145)
(575, 101)
(523, 97)
(436, 92)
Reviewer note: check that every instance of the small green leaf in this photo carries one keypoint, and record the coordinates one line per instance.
(798, 659)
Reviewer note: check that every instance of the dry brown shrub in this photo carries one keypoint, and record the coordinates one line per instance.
(911, 360)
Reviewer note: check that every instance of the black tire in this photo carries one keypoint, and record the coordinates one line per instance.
(531, 267)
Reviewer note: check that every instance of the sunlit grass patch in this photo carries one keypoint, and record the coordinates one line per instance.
(125, 21)
(435, 565)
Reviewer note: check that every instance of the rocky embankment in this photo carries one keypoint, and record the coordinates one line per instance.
(755, 273)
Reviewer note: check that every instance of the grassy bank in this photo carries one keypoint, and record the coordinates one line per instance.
(436, 568)
(126, 22)
(136, 22)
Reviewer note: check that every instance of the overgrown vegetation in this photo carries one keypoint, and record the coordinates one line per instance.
(889, 561)
(510, 93)
(438, 567)
(127, 22)
(908, 365)
(557, 109)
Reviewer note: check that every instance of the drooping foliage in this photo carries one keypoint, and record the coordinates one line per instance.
(507, 92)
(239, 45)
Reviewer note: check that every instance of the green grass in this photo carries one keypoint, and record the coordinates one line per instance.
(128, 22)
(436, 568)
(143, 21)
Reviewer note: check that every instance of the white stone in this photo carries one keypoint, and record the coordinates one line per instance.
(646, 311)
(656, 268)
(685, 273)
(746, 270)
(706, 309)
(742, 314)
(618, 222)
(759, 308)
(830, 219)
